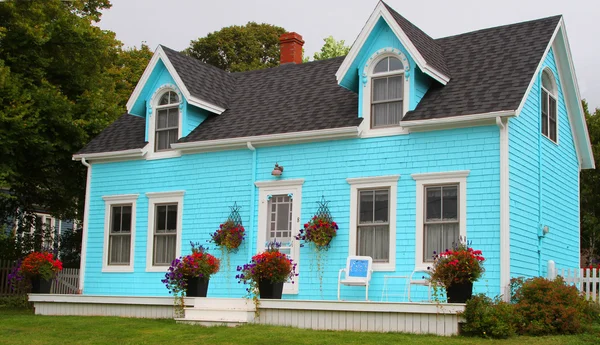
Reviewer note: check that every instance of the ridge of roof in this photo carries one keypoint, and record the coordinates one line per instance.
(431, 51)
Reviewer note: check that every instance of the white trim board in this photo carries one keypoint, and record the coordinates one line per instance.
(109, 202)
(159, 198)
(86, 226)
(159, 54)
(382, 12)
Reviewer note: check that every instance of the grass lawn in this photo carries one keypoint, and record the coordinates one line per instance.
(22, 327)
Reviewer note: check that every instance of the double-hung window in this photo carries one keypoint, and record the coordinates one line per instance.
(119, 233)
(164, 229)
(387, 94)
(373, 203)
(549, 106)
(167, 121)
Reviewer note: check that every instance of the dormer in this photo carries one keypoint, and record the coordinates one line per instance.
(391, 65)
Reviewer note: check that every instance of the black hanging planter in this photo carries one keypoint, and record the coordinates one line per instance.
(197, 287)
(269, 290)
(41, 285)
(459, 293)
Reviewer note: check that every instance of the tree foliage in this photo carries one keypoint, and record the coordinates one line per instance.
(331, 49)
(239, 48)
(62, 80)
(590, 192)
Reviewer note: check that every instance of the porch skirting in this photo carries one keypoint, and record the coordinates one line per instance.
(359, 316)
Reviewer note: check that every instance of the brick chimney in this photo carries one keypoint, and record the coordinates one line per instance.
(290, 45)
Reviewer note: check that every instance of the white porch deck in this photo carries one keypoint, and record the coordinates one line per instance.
(422, 318)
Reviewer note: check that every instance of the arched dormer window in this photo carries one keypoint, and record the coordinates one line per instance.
(166, 129)
(549, 105)
(387, 92)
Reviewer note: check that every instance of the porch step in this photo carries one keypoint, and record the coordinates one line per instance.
(219, 315)
(208, 323)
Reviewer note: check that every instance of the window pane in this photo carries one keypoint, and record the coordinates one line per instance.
(365, 199)
(380, 89)
(382, 66)
(161, 218)
(438, 238)
(164, 99)
(381, 205)
(174, 98)
(394, 113)
(162, 140)
(173, 120)
(450, 203)
(126, 219)
(553, 129)
(161, 118)
(172, 217)
(164, 249)
(433, 203)
(380, 117)
(116, 219)
(373, 241)
(173, 133)
(544, 124)
(395, 64)
(395, 85)
(120, 249)
(547, 81)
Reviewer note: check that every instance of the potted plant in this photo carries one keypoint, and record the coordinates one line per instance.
(456, 270)
(267, 272)
(191, 273)
(320, 230)
(229, 236)
(41, 268)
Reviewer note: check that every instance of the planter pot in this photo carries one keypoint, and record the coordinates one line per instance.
(459, 293)
(40, 285)
(268, 290)
(196, 287)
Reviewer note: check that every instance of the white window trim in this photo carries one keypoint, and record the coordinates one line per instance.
(365, 126)
(267, 188)
(150, 149)
(425, 179)
(161, 198)
(554, 95)
(356, 184)
(109, 201)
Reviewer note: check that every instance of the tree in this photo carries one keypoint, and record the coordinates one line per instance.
(62, 80)
(239, 48)
(590, 192)
(331, 49)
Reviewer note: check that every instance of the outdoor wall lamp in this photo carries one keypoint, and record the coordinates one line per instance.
(277, 170)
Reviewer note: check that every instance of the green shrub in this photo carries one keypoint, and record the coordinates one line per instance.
(545, 307)
(488, 318)
(15, 302)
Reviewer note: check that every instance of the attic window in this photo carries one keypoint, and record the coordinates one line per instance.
(167, 121)
(549, 106)
(387, 94)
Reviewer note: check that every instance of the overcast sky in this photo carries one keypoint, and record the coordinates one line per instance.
(175, 23)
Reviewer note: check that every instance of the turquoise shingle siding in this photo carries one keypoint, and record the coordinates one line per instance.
(194, 117)
(558, 197)
(214, 181)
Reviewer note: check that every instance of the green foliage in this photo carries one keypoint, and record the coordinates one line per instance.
(488, 318)
(69, 250)
(15, 302)
(239, 48)
(62, 80)
(331, 49)
(545, 307)
(590, 193)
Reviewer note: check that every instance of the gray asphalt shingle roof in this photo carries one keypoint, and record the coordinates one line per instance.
(489, 71)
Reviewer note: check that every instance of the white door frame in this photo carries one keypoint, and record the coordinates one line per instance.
(290, 187)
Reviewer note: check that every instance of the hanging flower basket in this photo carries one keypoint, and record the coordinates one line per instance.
(321, 229)
(229, 236)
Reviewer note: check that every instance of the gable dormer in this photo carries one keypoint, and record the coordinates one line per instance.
(391, 65)
(169, 102)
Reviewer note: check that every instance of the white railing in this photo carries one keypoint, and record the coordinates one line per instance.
(66, 282)
(586, 280)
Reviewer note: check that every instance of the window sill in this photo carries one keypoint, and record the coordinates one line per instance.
(117, 269)
(550, 140)
(161, 269)
(384, 267)
(383, 132)
(163, 154)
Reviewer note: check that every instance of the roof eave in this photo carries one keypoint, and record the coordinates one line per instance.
(455, 121)
(123, 154)
(382, 11)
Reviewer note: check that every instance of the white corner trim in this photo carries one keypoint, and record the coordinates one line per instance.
(132, 153)
(373, 179)
(159, 54)
(120, 197)
(86, 225)
(441, 175)
(381, 11)
(391, 182)
(173, 194)
(111, 200)
(269, 139)
(159, 198)
(460, 119)
(422, 180)
(504, 211)
(279, 183)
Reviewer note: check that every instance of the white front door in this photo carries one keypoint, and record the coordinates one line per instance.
(279, 220)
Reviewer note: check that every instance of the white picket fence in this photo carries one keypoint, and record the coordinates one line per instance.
(66, 282)
(586, 280)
